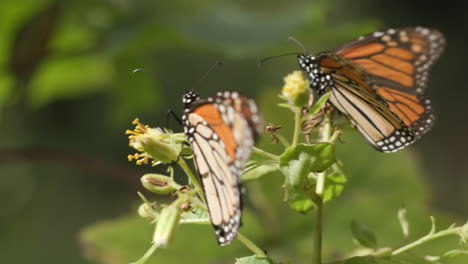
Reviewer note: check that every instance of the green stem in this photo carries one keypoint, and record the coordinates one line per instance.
(192, 177)
(148, 254)
(326, 134)
(297, 126)
(195, 221)
(426, 238)
(327, 130)
(250, 245)
(199, 203)
(320, 186)
(318, 216)
(317, 239)
(282, 139)
(335, 136)
(264, 153)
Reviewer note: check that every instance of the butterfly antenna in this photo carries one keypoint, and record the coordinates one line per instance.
(174, 115)
(214, 66)
(260, 62)
(298, 43)
(141, 70)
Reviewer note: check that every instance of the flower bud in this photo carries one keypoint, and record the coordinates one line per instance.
(158, 146)
(295, 88)
(161, 145)
(166, 226)
(145, 211)
(158, 183)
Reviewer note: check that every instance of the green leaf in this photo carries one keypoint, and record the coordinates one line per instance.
(291, 107)
(196, 214)
(361, 260)
(254, 260)
(318, 105)
(370, 260)
(388, 261)
(257, 170)
(298, 161)
(334, 185)
(297, 200)
(58, 78)
(363, 235)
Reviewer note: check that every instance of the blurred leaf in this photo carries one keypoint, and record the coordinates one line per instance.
(227, 24)
(70, 78)
(14, 14)
(297, 162)
(370, 260)
(38, 29)
(126, 239)
(388, 261)
(117, 241)
(254, 260)
(363, 235)
(6, 84)
(361, 260)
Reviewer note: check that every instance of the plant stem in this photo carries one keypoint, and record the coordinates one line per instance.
(327, 130)
(195, 221)
(282, 139)
(326, 134)
(320, 185)
(148, 254)
(318, 216)
(192, 177)
(317, 239)
(250, 245)
(426, 238)
(297, 126)
(264, 153)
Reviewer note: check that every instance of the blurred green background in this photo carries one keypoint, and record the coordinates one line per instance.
(67, 95)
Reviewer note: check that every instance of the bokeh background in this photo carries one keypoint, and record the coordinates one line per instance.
(67, 95)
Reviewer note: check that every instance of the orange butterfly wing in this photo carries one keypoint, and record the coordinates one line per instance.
(222, 131)
(397, 62)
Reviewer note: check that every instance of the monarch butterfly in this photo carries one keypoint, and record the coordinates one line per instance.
(378, 82)
(221, 130)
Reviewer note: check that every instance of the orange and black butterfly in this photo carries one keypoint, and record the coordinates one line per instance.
(378, 81)
(221, 130)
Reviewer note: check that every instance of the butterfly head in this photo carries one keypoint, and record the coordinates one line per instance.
(307, 62)
(317, 78)
(190, 97)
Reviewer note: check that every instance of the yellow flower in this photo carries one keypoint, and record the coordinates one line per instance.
(154, 143)
(294, 85)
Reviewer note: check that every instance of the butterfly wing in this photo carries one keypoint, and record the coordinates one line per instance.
(397, 62)
(222, 131)
(371, 115)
